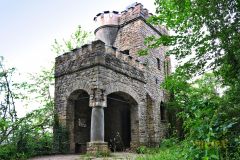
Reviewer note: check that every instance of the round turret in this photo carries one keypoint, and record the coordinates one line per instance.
(108, 25)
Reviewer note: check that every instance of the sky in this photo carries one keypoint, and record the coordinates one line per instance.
(28, 27)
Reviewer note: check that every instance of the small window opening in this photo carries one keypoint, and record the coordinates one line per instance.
(158, 64)
(167, 67)
(157, 81)
(164, 67)
(162, 111)
(125, 52)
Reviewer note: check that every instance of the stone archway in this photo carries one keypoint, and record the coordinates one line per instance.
(121, 121)
(78, 120)
(120, 87)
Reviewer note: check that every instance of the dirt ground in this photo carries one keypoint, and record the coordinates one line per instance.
(114, 156)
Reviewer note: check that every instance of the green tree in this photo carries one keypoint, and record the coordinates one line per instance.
(29, 135)
(32, 134)
(8, 115)
(206, 30)
(76, 40)
(204, 38)
(201, 108)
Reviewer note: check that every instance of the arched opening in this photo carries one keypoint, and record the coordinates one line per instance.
(120, 121)
(79, 121)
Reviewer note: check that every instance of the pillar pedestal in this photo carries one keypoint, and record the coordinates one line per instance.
(96, 147)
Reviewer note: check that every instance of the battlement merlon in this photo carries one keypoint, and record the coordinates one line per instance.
(114, 18)
(110, 22)
(107, 18)
(133, 11)
(97, 53)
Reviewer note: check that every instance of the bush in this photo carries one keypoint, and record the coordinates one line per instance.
(168, 142)
(9, 152)
(27, 144)
(141, 150)
(147, 150)
(171, 153)
(6, 151)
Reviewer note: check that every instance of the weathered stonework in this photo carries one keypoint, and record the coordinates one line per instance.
(109, 73)
(95, 147)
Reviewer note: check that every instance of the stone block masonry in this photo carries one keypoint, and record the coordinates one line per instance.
(106, 84)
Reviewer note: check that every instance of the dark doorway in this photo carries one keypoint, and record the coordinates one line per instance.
(81, 120)
(118, 121)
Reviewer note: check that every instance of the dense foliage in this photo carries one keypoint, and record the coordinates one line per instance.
(204, 38)
(209, 130)
(207, 126)
(21, 137)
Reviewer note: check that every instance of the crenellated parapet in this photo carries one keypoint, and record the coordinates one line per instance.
(108, 25)
(133, 11)
(107, 18)
(115, 18)
(97, 53)
(109, 22)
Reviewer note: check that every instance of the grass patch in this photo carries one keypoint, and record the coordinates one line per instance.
(170, 149)
(163, 153)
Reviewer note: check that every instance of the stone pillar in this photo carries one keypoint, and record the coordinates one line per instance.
(97, 124)
(98, 100)
(134, 126)
(143, 132)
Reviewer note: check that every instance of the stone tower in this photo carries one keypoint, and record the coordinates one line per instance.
(106, 96)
